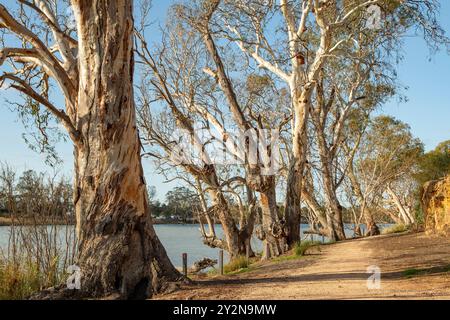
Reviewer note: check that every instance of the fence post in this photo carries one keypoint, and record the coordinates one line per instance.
(185, 272)
(268, 255)
(247, 250)
(221, 262)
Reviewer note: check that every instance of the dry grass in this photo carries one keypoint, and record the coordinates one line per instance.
(398, 228)
(302, 247)
(19, 279)
(39, 248)
(36, 259)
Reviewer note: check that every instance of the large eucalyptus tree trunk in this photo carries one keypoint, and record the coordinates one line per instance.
(229, 227)
(273, 229)
(119, 252)
(301, 106)
(334, 209)
(292, 206)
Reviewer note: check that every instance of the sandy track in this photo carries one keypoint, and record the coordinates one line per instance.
(339, 271)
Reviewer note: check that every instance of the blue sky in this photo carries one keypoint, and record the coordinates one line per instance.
(427, 111)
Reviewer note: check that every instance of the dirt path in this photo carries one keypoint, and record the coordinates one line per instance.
(339, 271)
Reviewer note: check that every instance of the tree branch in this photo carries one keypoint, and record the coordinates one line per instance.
(26, 89)
(50, 60)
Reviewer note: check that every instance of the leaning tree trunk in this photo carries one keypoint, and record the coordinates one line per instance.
(405, 214)
(230, 230)
(119, 252)
(334, 208)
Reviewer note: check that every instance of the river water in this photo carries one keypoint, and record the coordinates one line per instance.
(177, 239)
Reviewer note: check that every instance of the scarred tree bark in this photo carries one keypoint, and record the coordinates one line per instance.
(119, 251)
(272, 228)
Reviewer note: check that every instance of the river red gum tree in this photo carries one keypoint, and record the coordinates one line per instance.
(118, 250)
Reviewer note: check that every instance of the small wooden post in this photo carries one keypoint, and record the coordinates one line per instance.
(323, 239)
(267, 250)
(312, 237)
(185, 272)
(221, 262)
(247, 250)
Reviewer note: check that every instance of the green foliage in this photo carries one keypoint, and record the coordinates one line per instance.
(301, 247)
(236, 264)
(390, 141)
(434, 164)
(181, 202)
(35, 195)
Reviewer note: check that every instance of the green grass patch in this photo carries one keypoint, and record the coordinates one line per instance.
(212, 272)
(398, 228)
(301, 247)
(236, 264)
(17, 282)
(240, 271)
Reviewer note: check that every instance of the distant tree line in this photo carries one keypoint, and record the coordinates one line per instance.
(33, 194)
(181, 205)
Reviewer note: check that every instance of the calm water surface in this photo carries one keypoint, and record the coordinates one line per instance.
(177, 239)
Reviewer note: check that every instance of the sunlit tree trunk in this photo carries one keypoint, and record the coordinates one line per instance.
(230, 230)
(273, 229)
(295, 177)
(404, 211)
(366, 213)
(119, 252)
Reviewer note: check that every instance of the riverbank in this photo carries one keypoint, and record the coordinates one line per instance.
(30, 221)
(9, 221)
(413, 266)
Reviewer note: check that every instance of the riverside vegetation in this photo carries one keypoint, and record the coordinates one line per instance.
(291, 91)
